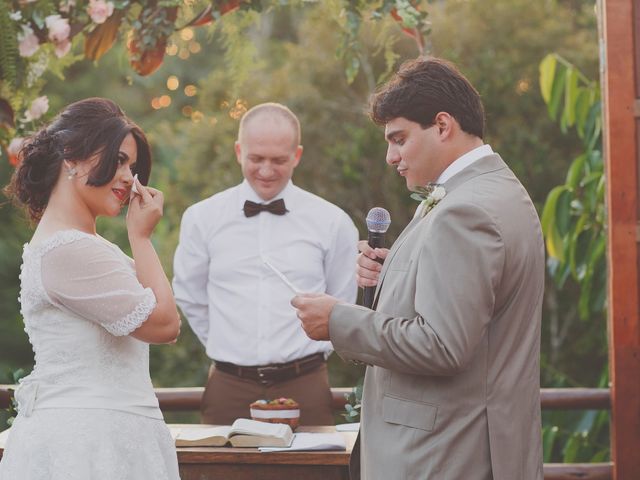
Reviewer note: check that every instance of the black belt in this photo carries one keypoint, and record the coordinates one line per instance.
(277, 372)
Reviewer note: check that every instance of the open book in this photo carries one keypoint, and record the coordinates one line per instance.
(243, 433)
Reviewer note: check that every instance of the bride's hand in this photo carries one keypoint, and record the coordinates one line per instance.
(145, 211)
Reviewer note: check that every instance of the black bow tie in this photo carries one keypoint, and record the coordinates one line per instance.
(276, 207)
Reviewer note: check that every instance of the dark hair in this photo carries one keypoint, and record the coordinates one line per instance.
(94, 126)
(421, 89)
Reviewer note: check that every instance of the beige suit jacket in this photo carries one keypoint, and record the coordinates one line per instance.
(452, 390)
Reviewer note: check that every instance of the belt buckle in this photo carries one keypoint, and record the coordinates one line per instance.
(264, 373)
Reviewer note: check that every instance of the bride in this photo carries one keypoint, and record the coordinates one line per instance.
(88, 410)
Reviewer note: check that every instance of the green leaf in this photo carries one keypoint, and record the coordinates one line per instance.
(549, 435)
(570, 96)
(576, 171)
(582, 107)
(563, 212)
(593, 125)
(352, 67)
(570, 451)
(579, 248)
(592, 177)
(547, 73)
(557, 90)
(549, 221)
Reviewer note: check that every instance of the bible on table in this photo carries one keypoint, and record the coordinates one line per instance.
(243, 433)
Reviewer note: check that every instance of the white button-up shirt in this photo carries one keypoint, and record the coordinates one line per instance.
(236, 305)
(460, 164)
(464, 161)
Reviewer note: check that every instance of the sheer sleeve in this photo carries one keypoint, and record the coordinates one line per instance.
(93, 280)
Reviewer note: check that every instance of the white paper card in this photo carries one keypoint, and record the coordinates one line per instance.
(311, 441)
(348, 427)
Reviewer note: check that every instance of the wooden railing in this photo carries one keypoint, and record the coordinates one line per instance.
(188, 399)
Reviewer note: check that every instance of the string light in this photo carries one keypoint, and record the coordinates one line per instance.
(172, 49)
(173, 83)
(238, 109)
(197, 116)
(523, 86)
(186, 34)
(190, 90)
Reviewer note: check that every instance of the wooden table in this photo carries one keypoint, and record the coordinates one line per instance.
(214, 463)
(227, 463)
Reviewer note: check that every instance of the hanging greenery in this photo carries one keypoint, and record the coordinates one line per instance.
(37, 36)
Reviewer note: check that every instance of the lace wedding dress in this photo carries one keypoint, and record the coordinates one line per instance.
(87, 411)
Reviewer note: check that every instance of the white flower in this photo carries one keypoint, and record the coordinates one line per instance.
(28, 43)
(16, 16)
(438, 193)
(428, 196)
(59, 28)
(37, 67)
(38, 108)
(99, 10)
(15, 145)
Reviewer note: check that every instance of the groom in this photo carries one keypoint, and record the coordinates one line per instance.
(452, 386)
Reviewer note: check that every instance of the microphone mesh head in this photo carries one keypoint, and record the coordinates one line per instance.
(378, 220)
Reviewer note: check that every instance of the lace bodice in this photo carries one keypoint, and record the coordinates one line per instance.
(87, 411)
(80, 299)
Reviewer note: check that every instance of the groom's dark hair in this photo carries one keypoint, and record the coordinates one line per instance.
(422, 88)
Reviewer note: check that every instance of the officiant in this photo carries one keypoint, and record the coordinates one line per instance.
(237, 306)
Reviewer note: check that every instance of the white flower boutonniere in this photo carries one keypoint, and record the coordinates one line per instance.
(429, 196)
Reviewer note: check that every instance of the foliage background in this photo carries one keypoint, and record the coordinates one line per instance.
(289, 56)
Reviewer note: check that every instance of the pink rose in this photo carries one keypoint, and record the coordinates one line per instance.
(38, 108)
(99, 10)
(62, 48)
(59, 28)
(28, 43)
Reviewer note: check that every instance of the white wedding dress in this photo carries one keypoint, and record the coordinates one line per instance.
(87, 411)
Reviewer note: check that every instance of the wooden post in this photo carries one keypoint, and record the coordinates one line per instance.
(619, 19)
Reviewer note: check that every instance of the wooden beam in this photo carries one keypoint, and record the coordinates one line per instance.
(189, 398)
(581, 471)
(176, 399)
(620, 89)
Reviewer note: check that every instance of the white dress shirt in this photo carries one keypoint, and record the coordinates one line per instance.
(460, 164)
(236, 305)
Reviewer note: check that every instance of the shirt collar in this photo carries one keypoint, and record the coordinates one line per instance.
(246, 192)
(464, 161)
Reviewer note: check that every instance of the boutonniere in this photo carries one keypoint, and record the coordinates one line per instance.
(428, 196)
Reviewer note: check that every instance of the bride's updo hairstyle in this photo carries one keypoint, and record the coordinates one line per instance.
(83, 130)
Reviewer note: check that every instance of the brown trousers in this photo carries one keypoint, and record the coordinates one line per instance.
(227, 397)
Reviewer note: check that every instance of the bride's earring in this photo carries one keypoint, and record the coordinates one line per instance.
(71, 171)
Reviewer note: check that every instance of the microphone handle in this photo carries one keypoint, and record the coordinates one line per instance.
(375, 240)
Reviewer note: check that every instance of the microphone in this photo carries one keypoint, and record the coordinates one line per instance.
(378, 221)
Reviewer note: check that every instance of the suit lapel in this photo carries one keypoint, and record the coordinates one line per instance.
(394, 249)
(483, 165)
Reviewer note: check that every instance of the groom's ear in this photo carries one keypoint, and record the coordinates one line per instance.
(445, 123)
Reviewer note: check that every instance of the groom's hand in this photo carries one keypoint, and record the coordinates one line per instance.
(368, 265)
(313, 310)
